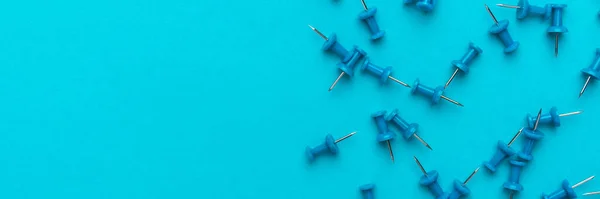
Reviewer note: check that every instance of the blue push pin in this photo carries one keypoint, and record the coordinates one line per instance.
(464, 62)
(502, 153)
(461, 189)
(592, 71)
(531, 137)
(331, 44)
(513, 181)
(567, 190)
(407, 130)
(557, 27)
(423, 5)
(500, 29)
(552, 117)
(383, 73)
(367, 191)
(430, 180)
(524, 10)
(348, 67)
(369, 17)
(330, 145)
(435, 94)
(383, 132)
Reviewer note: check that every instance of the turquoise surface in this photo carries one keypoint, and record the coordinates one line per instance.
(218, 99)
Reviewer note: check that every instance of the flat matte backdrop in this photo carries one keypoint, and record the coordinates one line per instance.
(217, 99)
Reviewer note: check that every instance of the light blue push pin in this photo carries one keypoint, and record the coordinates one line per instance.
(430, 180)
(515, 174)
(348, 67)
(423, 5)
(461, 189)
(500, 29)
(464, 62)
(332, 45)
(367, 191)
(552, 117)
(369, 17)
(531, 137)
(524, 9)
(557, 27)
(592, 71)
(383, 132)
(566, 190)
(383, 73)
(407, 130)
(502, 153)
(434, 94)
(330, 146)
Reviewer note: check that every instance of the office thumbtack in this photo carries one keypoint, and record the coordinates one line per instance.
(464, 62)
(383, 73)
(407, 130)
(330, 145)
(369, 17)
(557, 27)
(367, 191)
(461, 189)
(434, 94)
(592, 71)
(502, 153)
(515, 173)
(566, 190)
(383, 132)
(348, 67)
(524, 9)
(331, 44)
(500, 29)
(423, 5)
(552, 117)
(430, 180)
(531, 137)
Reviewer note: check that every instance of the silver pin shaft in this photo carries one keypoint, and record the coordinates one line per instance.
(451, 78)
(515, 137)
(346, 136)
(508, 6)
(336, 81)
(420, 165)
(491, 14)
(471, 176)
(569, 114)
(399, 82)
(582, 182)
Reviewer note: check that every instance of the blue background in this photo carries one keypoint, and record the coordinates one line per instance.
(217, 99)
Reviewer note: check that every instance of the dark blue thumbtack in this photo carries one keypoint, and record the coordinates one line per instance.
(552, 117)
(531, 137)
(524, 9)
(423, 5)
(500, 29)
(464, 62)
(383, 73)
(369, 17)
(430, 180)
(367, 191)
(434, 94)
(330, 146)
(407, 130)
(566, 190)
(557, 27)
(383, 132)
(592, 71)
(461, 189)
(502, 153)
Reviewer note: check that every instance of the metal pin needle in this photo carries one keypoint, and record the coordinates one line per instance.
(569, 114)
(471, 176)
(515, 137)
(491, 14)
(364, 4)
(452, 101)
(420, 165)
(422, 141)
(537, 120)
(587, 81)
(508, 6)
(318, 32)
(399, 82)
(336, 81)
(582, 182)
(346, 136)
(556, 46)
(591, 193)
(451, 78)
(391, 152)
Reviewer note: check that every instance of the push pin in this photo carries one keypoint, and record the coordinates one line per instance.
(551, 117)
(567, 190)
(461, 189)
(515, 174)
(330, 146)
(369, 17)
(407, 130)
(502, 153)
(383, 73)
(464, 62)
(435, 94)
(348, 67)
(500, 29)
(531, 136)
(331, 44)
(557, 27)
(430, 180)
(384, 134)
(524, 9)
(423, 5)
(592, 71)
(367, 191)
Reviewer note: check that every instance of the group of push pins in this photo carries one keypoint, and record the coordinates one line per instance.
(518, 160)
